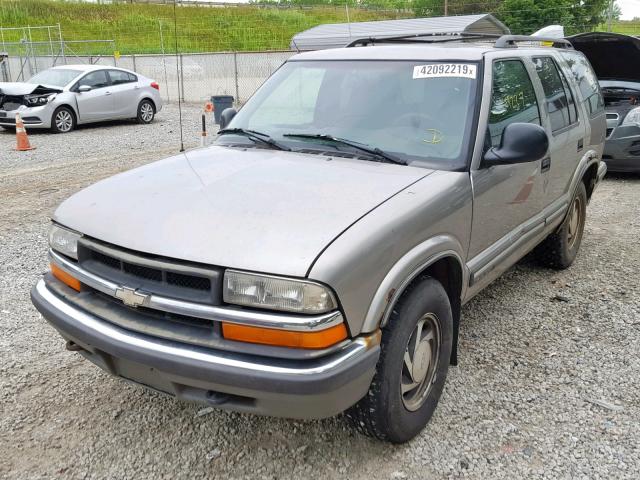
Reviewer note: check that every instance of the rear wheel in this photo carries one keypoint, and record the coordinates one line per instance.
(63, 120)
(560, 249)
(146, 111)
(416, 349)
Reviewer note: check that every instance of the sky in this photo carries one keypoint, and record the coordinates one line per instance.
(630, 8)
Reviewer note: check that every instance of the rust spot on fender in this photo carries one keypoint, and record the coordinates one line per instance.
(390, 295)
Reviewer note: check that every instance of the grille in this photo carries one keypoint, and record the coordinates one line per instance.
(168, 278)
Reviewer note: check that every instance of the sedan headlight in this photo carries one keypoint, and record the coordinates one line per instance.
(633, 117)
(276, 293)
(64, 241)
(39, 100)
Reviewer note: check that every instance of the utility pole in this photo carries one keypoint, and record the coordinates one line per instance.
(610, 15)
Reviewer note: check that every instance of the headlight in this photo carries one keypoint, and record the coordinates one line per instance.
(64, 241)
(264, 291)
(633, 117)
(38, 100)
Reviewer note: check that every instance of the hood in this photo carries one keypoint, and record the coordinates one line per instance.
(612, 55)
(261, 210)
(23, 88)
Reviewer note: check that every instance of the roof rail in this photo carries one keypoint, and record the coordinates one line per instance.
(424, 38)
(510, 41)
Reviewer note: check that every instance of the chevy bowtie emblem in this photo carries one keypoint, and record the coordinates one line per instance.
(130, 296)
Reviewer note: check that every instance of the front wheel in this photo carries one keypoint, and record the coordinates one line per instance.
(146, 111)
(560, 249)
(63, 120)
(411, 372)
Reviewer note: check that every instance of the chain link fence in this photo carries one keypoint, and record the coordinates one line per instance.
(194, 77)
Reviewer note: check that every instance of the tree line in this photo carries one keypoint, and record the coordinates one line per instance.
(521, 16)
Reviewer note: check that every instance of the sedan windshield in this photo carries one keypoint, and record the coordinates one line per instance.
(54, 77)
(410, 111)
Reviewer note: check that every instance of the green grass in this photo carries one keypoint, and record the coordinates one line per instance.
(136, 27)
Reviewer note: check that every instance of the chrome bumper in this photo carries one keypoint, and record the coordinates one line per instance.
(314, 388)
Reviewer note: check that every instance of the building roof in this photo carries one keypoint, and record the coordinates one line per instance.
(336, 35)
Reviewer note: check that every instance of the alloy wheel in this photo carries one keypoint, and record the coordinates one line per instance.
(64, 121)
(146, 112)
(420, 362)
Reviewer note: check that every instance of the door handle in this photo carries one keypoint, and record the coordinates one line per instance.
(136, 87)
(580, 145)
(545, 166)
(107, 93)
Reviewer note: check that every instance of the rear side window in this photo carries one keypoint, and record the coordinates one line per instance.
(118, 77)
(560, 104)
(586, 80)
(513, 98)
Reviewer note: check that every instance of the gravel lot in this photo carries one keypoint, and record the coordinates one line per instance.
(547, 385)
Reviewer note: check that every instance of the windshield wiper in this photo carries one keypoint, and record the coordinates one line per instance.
(256, 137)
(375, 151)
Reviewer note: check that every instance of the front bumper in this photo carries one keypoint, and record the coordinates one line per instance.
(314, 388)
(622, 149)
(32, 117)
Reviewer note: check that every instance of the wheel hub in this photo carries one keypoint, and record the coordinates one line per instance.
(420, 362)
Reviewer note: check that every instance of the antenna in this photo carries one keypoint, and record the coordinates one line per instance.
(175, 28)
(346, 6)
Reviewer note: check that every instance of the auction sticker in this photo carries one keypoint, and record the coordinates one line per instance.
(446, 70)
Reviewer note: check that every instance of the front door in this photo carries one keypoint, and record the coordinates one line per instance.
(96, 104)
(506, 197)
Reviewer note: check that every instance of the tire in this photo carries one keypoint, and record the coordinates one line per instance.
(146, 111)
(63, 120)
(560, 249)
(385, 412)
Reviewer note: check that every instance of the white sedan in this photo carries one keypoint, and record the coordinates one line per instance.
(62, 97)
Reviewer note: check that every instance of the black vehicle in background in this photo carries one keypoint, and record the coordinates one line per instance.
(616, 61)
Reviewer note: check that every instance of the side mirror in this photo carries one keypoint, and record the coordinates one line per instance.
(520, 143)
(226, 116)
(84, 88)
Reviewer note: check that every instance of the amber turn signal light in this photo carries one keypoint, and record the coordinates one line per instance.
(65, 278)
(285, 338)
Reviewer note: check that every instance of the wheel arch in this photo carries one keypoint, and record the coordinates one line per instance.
(445, 264)
(74, 112)
(147, 97)
(590, 178)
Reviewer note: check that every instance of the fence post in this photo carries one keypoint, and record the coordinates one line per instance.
(235, 69)
(181, 79)
(133, 60)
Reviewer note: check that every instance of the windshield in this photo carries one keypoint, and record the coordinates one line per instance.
(55, 77)
(416, 111)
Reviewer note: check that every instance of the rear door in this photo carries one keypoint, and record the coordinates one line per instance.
(506, 197)
(96, 104)
(567, 142)
(124, 87)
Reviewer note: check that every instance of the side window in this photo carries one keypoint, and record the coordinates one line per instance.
(586, 80)
(118, 77)
(97, 79)
(560, 104)
(513, 98)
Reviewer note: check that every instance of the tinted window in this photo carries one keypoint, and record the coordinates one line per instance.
(97, 79)
(512, 98)
(586, 80)
(560, 103)
(118, 77)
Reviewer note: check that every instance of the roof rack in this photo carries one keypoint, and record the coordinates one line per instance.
(502, 41)
(510, 41)
(424, 38)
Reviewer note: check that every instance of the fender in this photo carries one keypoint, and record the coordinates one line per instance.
(406, 270)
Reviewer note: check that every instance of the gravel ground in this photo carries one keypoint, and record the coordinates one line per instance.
(547, 385)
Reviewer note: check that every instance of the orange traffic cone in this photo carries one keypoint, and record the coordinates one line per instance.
(22, 141)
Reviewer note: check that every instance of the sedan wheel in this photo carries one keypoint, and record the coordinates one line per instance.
(63, 120)
(146, 111)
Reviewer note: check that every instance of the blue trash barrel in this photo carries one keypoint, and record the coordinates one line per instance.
(220, 103)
